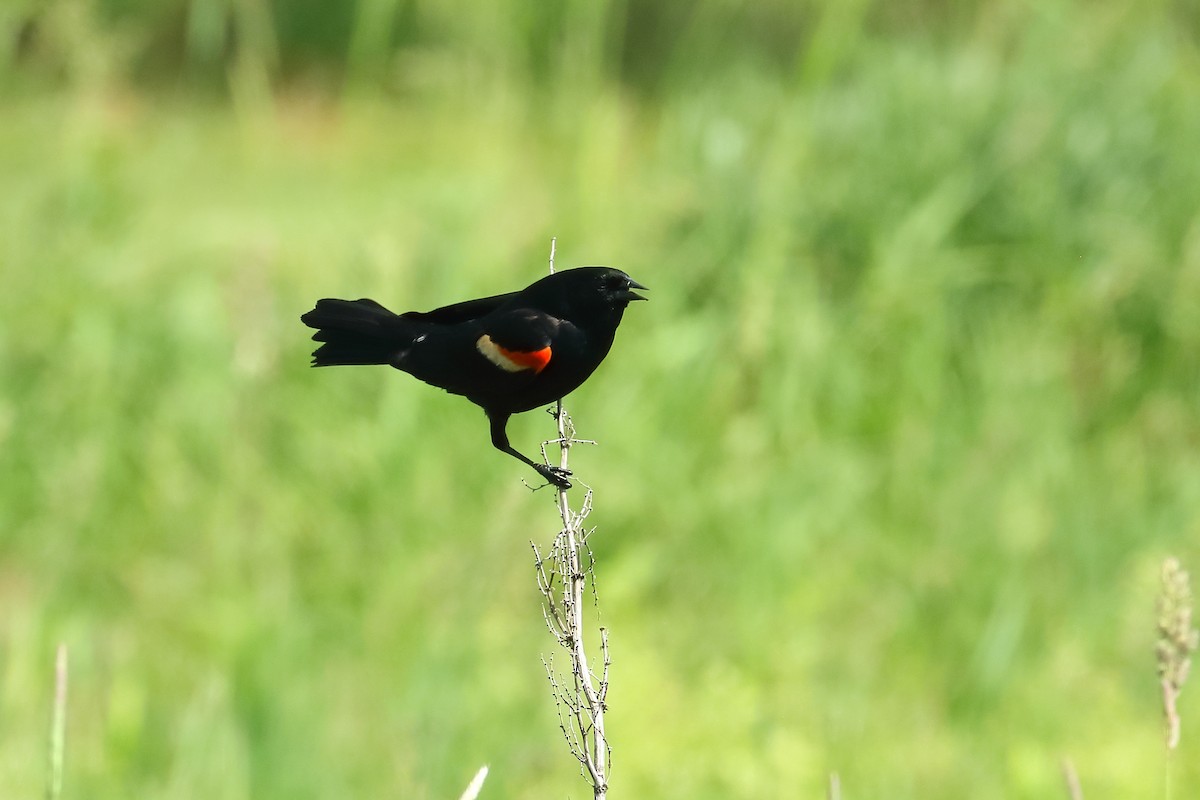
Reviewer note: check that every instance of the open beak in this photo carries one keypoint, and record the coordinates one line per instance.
(630, 295)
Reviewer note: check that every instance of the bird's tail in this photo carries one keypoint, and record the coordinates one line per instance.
(355, 332)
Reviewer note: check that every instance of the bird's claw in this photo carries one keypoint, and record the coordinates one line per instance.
(556, 475)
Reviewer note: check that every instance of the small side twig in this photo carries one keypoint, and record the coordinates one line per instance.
(835, 787)
(1071, 778)
(581, 700)
(58, 726)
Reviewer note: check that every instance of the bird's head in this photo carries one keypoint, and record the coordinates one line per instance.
(587, 294)
(616, 287)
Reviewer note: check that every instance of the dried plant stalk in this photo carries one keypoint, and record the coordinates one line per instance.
(1176, 641)
(581, 700)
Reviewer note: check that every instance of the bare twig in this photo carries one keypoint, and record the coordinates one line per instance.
(1071, 778)
(476, 784)
(561, 577)
(58, 726)
(835, 787)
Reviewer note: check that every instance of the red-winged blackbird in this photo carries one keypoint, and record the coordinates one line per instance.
(507, 354)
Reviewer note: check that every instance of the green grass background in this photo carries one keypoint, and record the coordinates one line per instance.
(887, 465)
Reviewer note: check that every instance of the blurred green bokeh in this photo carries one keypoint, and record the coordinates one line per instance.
(887, 465)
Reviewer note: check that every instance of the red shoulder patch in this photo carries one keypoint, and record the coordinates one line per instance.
(513, 360)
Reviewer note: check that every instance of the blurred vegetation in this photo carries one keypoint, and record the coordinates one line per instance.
(887, 465)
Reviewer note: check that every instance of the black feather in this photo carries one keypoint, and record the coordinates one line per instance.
(354, 332)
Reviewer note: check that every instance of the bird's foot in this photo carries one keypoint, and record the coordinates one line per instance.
(556, 475)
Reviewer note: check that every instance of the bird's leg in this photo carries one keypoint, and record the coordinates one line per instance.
(555, 475)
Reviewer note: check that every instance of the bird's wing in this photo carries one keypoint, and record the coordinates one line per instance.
(518, 341)
(461, 312)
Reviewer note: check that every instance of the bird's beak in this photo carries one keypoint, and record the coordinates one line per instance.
(631, 296)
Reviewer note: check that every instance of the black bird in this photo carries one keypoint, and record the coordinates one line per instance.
(507, 354)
